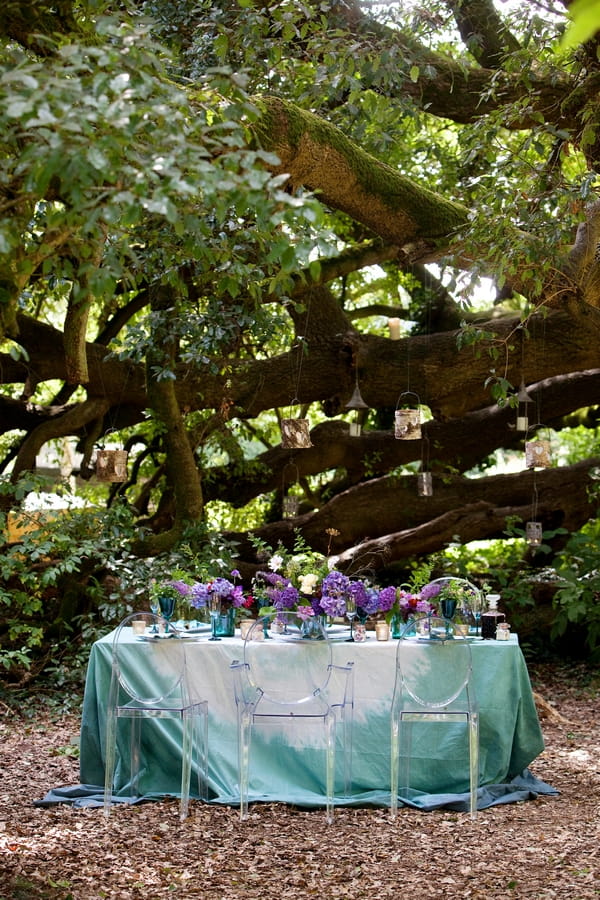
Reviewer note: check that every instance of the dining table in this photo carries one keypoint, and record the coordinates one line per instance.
(510, 734)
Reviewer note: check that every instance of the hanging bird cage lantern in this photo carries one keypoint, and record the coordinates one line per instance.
(357, 404)
(111, 465)
(407, 420)
(295, 434)
(537, 453)
(523, 399)
(533, 533)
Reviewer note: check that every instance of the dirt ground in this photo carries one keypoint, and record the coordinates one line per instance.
(545, 848)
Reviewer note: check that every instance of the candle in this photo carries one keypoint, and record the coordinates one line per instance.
(394, 326)
(245, 626)
(382, 630)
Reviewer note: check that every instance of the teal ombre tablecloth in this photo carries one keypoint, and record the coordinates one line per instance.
(510, 734)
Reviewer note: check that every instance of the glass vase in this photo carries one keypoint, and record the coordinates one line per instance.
(226, 623)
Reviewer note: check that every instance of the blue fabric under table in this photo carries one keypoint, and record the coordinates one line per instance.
(510, 734)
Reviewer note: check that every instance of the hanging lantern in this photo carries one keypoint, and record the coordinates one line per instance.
(537, 454)
(533, 533)
(425, 484)
(523, 399)
(407, 421)
(295, 434)
(357, 404)
(291, 502)
(111, 465)
(290, 506)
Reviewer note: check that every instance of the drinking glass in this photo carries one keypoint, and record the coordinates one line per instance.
(351, 615)
(154, 608)
(167, 608)
(214, 607)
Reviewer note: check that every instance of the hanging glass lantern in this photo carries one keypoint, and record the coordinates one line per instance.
(523, 399)
(533, 533)
(407, 421)
(295, 434)
(425, 484)
(357, 404)
(291, 502)
(111, 465)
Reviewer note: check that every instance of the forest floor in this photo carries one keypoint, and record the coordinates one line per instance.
(543, 848)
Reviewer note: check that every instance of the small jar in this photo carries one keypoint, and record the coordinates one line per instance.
(245, 626)
(382, 631)
(360, 632)
(503, 631)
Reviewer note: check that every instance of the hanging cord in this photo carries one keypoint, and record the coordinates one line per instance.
(534, 505)
(425, 453)
(301, 346)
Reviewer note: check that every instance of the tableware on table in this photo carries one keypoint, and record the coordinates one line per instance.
(138, 626)
(351, 615)
(382, 631)
(154, 608)
(360, 632)
(214, 608)
(245, 626)
(167, 608)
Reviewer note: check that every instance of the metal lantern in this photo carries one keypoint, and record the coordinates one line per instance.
(357, 404)
(111, 465)
(533, 533)
(290, 506)
(295, 434)
(407, 421)
(523, 399)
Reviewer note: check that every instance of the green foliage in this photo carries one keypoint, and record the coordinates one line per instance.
(585, 15)
(577, 600)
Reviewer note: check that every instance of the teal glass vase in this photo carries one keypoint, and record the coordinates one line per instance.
(226, 623)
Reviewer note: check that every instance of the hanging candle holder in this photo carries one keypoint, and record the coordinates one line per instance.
(533, 533)
(291, 502)
(523, 399)
(537, 453)
(295, 434)
(357, 404)
(111, 465)
(407, 420)
(425, 484)
(424, 477)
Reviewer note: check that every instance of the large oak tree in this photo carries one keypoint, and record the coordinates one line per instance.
(205, 235)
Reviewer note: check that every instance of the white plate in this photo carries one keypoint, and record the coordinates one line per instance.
(160, 636)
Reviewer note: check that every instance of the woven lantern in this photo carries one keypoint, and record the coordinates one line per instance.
(111, 465)
(295, 434)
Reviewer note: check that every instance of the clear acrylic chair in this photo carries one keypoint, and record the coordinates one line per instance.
(471, 601)
(287, 676)
(149, 680)
(433, 687)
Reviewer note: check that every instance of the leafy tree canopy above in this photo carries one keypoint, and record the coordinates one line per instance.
(210, 211)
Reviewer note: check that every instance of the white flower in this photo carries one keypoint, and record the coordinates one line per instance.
(307, 583)
(275, 562)
(332, 562)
